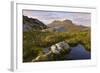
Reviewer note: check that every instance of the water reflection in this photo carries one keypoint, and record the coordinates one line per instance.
(78, 53)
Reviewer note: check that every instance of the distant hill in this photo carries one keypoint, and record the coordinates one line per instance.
(32, 24)
(67, 25)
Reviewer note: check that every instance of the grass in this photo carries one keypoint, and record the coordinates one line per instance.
(35, 41)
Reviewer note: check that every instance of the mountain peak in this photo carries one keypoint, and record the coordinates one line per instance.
(56, 21)
(32, 24)
(67, 25)
(67, 21)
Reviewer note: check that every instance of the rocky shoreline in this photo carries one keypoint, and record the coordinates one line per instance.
(56, 50)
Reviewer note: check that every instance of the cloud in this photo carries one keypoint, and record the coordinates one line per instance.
(47, 17)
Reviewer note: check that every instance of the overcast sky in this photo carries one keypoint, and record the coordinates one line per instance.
(49, 16)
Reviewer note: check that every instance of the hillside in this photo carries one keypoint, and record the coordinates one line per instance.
(67, 25)
(32, 24)
(39, 38)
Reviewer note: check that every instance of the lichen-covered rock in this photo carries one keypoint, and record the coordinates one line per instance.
(54, 49)
(57, 51)
(40, 58)
(58, 47)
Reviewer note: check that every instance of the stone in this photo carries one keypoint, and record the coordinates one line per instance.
(58, 47)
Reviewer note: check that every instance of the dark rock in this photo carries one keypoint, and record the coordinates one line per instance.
(32, 24)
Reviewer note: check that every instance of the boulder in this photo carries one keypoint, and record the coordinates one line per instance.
(40, 58)
(57, 50)
(54, 49)
(58, 47)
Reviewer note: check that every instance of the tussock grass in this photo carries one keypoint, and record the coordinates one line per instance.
(35, 41)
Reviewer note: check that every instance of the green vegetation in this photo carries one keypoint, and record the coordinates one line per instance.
(35, 41)
(37, 36)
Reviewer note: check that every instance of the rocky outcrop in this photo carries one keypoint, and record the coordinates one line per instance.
(32, 24)
(57, 50)
(58, 47)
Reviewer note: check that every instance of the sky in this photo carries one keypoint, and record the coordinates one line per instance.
(79, 18)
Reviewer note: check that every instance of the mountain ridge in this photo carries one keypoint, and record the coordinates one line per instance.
(68, 25)
(32, 24)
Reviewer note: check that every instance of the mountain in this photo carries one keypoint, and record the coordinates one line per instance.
(32, 24)
(66, 25)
